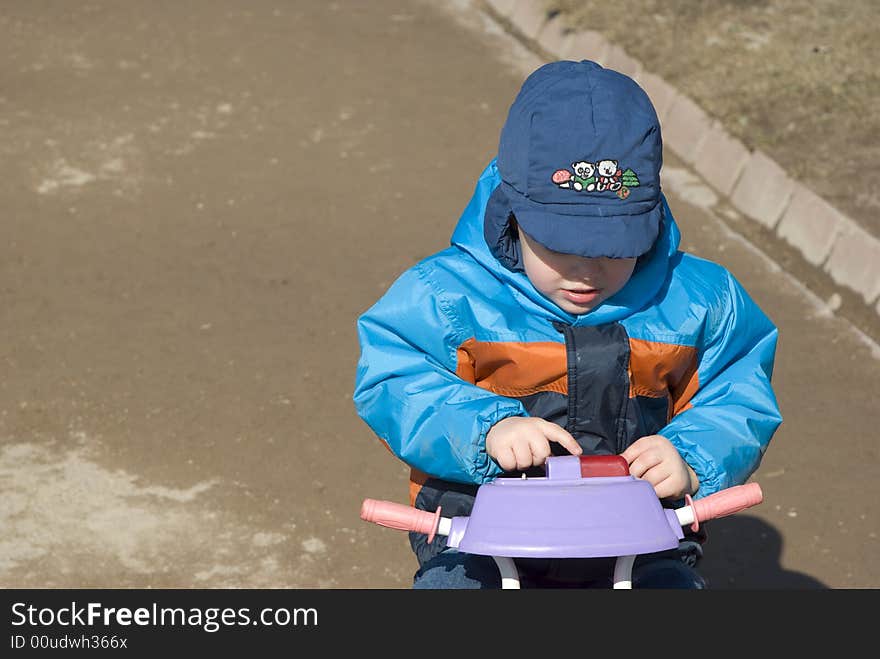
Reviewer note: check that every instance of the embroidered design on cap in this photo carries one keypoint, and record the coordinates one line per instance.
(602, 176)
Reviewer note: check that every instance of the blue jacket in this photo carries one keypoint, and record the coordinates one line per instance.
(462, 340)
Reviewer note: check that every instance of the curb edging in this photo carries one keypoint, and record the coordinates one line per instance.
(752, 182)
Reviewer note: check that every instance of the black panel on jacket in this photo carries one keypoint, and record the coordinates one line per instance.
(598, 386)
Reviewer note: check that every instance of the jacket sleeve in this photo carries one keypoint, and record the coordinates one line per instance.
(407, 391)
(724, 431)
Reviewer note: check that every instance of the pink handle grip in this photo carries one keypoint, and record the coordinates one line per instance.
(397, 516)
(727, 502)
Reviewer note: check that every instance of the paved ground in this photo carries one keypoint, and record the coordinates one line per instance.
(199, 199)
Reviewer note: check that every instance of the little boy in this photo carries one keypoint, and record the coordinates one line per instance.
(564, 319)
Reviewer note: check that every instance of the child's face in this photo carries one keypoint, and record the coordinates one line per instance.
(575, 283)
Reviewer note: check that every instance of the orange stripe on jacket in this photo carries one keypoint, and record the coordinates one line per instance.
(508, 368)
(416, 480)
(656, 370)
(661, 370)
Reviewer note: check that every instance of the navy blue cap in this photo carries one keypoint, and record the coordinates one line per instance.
(579, 158)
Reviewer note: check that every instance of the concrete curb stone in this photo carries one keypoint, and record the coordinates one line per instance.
(553, 37)
(763, 190)
(587, 44)
(855, 261)
(720, 158)
(811, 224)
(528, 18)
(617, 59)
(661, 93)
(687, 126)
(503, 7)
(754, 183)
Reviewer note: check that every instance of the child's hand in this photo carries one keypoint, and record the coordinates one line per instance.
(520, 442)
(656, 460)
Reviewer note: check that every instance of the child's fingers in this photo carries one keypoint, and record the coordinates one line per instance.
(540, 450)
(523, 455)
(630, 453)
(506, 459)
(666, 487)
(638, 447)
(560, 435)
(662, 479)
(644, 463)
(634, 450)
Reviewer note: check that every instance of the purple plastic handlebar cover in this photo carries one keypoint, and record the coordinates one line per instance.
(562, 518)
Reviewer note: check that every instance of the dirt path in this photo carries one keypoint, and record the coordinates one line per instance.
(199, 201)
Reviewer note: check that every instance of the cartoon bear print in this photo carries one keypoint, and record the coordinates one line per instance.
(608, 177)
(583, 178)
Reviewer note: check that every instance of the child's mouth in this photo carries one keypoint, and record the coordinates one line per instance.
(581, 295)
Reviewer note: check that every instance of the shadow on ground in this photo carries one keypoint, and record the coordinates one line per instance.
(744, 552)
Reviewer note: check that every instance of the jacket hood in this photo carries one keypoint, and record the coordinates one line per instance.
(485, 233)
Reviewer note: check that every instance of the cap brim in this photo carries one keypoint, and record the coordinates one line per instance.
(593, 236)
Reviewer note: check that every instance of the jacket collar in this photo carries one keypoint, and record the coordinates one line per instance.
(480, 226)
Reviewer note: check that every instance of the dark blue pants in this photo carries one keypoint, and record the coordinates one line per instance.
(453, 569)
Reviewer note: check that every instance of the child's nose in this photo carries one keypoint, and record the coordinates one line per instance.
(585, 269)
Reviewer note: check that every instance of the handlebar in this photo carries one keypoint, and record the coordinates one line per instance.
(723, 503)
(498, 528)
(407, 518)
(397, 516)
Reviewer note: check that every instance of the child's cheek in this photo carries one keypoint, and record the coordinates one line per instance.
(548, 282)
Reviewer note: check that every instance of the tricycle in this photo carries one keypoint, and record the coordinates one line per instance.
(584, 507)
